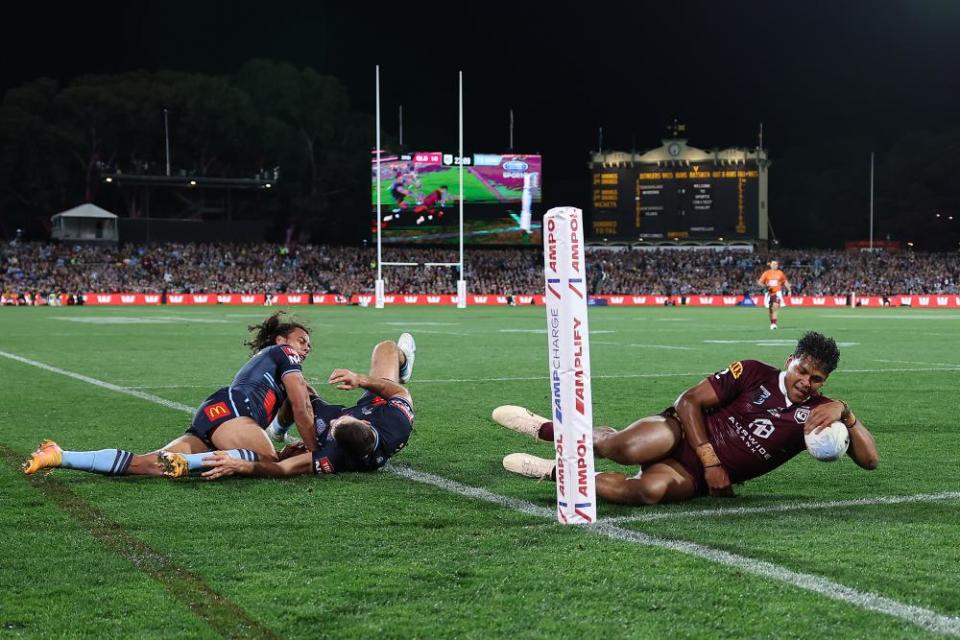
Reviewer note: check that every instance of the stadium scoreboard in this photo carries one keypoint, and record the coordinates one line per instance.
(676, 198)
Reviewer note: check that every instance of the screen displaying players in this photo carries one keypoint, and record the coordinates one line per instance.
(419, 197)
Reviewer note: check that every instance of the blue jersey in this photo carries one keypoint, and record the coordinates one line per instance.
(392, 422)
(260, 381)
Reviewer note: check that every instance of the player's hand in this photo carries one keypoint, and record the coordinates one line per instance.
(718, 481)
(822, 416)
(222, 465)
(292, 450)
(344, 379)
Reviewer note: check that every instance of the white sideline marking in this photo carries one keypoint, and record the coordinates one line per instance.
(924, 618)
(772, 342)
(624, 376)
(139, 320)
(544, 331)
(643, 346)
(421, 324)
(149, 397)
(792, 506)
(877, 316)
(933, 364)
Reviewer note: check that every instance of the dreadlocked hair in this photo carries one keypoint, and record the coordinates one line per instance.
(265, 334)
(819, 347)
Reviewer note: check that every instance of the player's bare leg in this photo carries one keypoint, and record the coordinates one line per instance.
(386, 360)
(646, 440)
(665, 481)
(240, 438)
(147, 464)
(774, 307)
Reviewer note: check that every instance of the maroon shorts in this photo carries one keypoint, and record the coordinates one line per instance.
(684, 454)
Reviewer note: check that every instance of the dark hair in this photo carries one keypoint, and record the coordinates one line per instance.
(357, 438)
(265, 333)
(820, 348)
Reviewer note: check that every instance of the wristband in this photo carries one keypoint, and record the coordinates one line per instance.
(707, 455)
(846, 415)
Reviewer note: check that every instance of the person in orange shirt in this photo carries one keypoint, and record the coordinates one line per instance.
(774, 281)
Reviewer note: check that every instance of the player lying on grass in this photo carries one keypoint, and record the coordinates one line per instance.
(232, 419)
(739, 423)
(231, 422)
(358, 438)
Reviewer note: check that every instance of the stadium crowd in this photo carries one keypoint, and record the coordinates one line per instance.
(47, 268)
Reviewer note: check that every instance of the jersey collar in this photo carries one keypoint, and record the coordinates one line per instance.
(783, 388)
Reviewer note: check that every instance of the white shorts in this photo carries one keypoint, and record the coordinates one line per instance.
(770, 298)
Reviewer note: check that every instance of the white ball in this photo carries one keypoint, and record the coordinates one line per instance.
(829, 444)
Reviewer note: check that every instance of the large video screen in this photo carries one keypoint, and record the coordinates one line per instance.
(703, 202)
(420, 197)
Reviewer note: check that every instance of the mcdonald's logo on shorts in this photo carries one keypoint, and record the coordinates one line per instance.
(216, 411)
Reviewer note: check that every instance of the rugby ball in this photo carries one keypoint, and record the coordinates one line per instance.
(829, 444)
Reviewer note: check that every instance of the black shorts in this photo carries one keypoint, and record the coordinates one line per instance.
(222, 405)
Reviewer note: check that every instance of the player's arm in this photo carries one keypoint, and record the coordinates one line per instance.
(222, 465)
(786, 285)
(863, 448)
(347, 380)
(298, 395)
(691, 406)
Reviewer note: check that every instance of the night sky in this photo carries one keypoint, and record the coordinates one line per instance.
(812, 72)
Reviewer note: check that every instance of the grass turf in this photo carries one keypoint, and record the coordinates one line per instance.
(352, 556)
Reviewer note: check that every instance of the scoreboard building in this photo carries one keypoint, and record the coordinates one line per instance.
(679, 192)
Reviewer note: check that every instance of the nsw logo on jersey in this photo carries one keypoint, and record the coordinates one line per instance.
(322, 465)
(292, 354)
(404, 408)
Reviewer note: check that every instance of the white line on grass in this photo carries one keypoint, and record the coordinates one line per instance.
(149, 397)
(932, 364)
(624, 376)
(779, 508)
(925, 618)
(644, 346)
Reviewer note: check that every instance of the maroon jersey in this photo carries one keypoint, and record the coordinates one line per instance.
(756, 428)
(432, 199)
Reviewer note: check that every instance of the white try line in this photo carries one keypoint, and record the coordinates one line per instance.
(780, 508)
(626, 376)
(930, 364)
(924, 618)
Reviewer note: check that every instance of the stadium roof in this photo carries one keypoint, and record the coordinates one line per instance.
(85, 211)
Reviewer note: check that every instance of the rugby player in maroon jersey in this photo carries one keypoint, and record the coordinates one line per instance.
(737, 424)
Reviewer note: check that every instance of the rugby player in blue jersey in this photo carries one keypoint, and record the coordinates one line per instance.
(231, 420)
(358, 438)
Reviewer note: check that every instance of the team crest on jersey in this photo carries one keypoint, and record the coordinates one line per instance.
(802, 414)
(291, 354)
(323, 465)
(762, 396)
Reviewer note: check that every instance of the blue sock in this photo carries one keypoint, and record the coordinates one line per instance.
(113, 462)
(195, 460)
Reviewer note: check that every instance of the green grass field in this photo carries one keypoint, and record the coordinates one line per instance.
(474, 189)
(445, 544)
